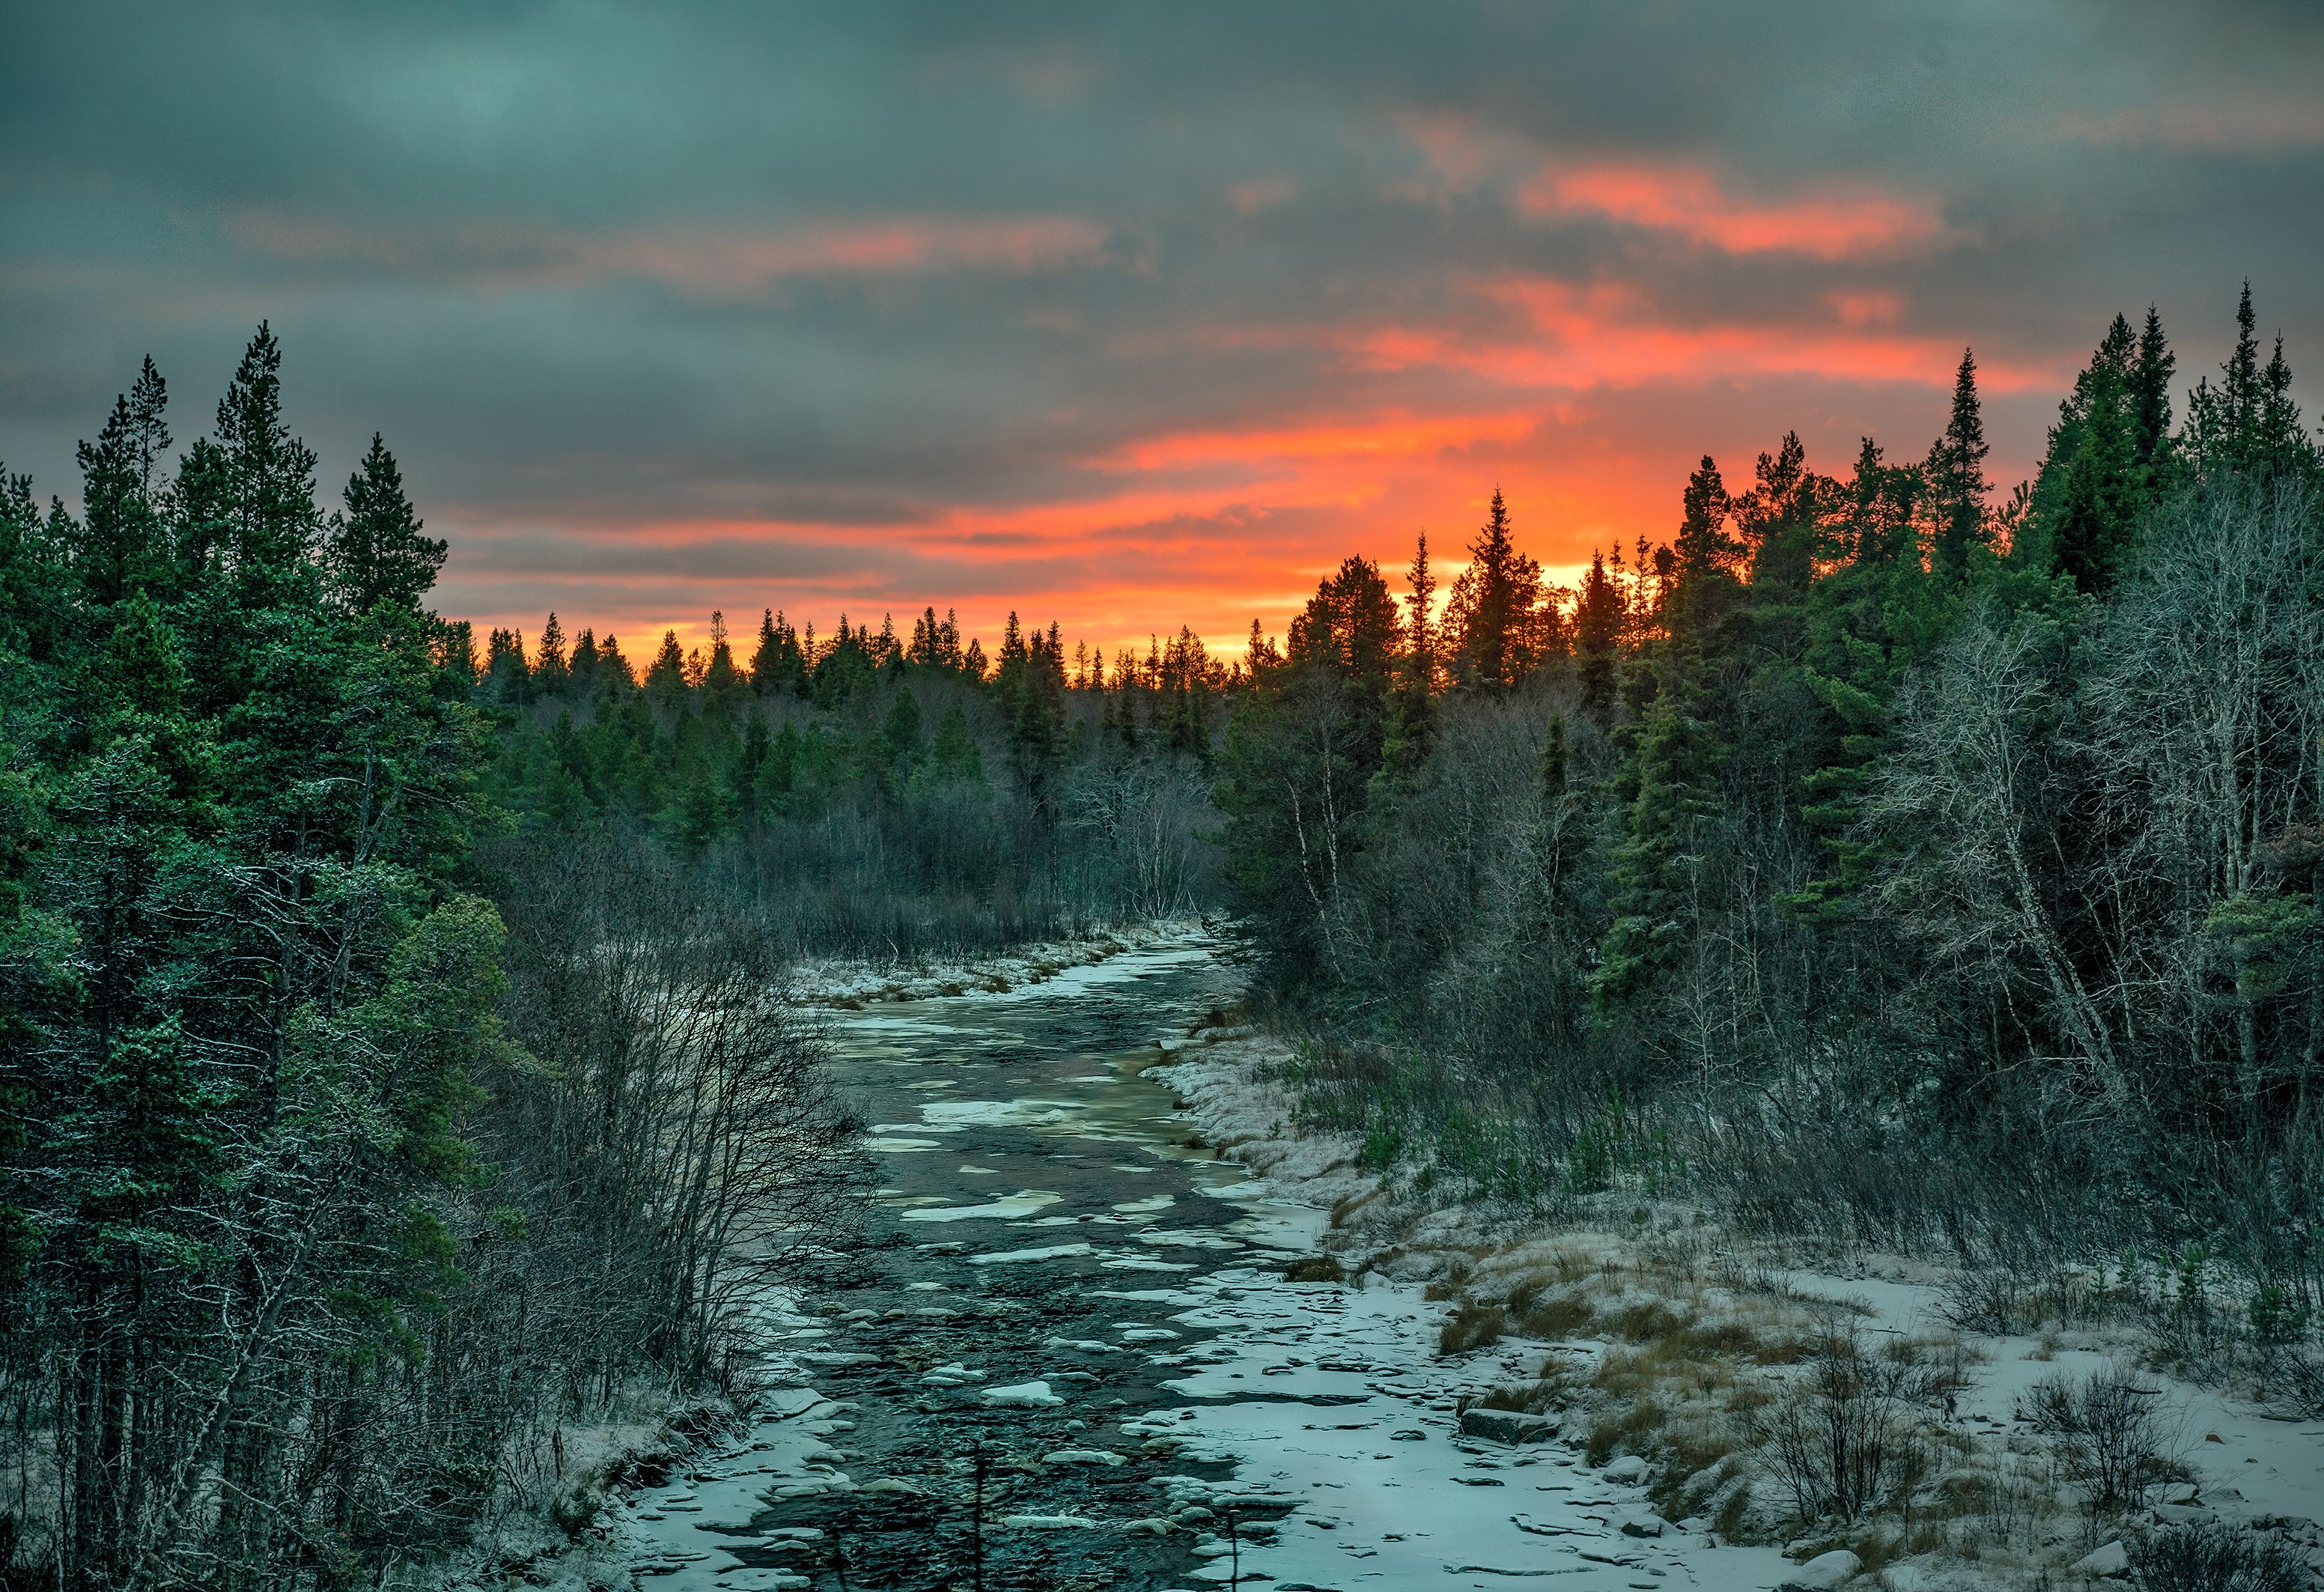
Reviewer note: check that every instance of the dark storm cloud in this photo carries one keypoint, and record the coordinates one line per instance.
(907, 285)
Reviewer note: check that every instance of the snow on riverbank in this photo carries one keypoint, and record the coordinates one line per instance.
(857, 981)
(1652, 1343)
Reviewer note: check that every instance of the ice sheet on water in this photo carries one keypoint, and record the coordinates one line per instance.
(1023, 1203)
(1049, 1252)
(952, 1115)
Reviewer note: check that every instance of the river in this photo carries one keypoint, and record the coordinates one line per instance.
(1075, 1361)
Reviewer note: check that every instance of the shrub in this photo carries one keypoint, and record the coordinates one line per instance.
(1473, 1326)
(1843, 1435)
(1315, 1268)
(1541, 1313)
(2107, 1433)
(2275, 1318)
(2212, 1557)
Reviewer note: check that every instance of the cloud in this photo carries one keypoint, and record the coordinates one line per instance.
(1122, 316)
(1260, 193)
(1358, 439)
(2228, 126)
(1837, 222)
(1564, 334)
(708, 261)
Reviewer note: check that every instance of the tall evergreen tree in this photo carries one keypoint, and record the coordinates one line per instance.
(1781, 523)
(272, 525)
(552, 674)
(2090, 487)
(1704, 556)
(665, 679)
(1411, 702)
(122, 548)
(1955, 476)
(1495, 616)
(2150, 377)
(1671, 792)
(375, 551)
(1598, 625)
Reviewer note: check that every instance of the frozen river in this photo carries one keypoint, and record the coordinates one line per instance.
(1074, 1360)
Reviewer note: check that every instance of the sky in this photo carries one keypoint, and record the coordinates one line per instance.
(1121, 316)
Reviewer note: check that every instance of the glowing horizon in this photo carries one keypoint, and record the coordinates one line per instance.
(1123, 324)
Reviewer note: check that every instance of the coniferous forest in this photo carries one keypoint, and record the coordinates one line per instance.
(398, 1082)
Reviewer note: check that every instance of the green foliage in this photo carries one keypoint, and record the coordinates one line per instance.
(1921, 866)
(242, 1003)
(1672, 780)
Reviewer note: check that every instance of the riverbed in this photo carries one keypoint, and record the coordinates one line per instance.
(1070, 1358)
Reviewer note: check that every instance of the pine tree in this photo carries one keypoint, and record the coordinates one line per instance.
(1781, 520)
(374, 552)
(1412, 703)
(665, 679)
(1955, 474)
(954, 755)
(508, 678)
(2151, 375)
(2090, 487)
(1597, 624)
(1883, 500)
(552, 676)
(122, 548)
(900, 735)
(2241, 395)
(615, 677)
(2284, 447)
(1672, 795)
(722, 682)
(271, 524)
(1495, 614)
(1704, 555)
(2248, 425)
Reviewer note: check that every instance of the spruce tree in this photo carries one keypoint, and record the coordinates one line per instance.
(1955, 472)
(1671, 787)
(2090, 487)
(2151, 375)
(1704, 551)
(1597, 625)
(1494, 616)
(508, 678)
(272, 526)
(665, 679)
(552, 675)
(1411, 702)
(123, 544)
(722, 682)
(374, 552)
(1780, 520)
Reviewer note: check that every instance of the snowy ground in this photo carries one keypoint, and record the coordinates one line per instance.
(2245, 1464)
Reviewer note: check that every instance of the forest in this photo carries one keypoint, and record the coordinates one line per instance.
(398, 1080)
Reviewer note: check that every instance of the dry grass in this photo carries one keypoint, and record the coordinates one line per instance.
(1472, 1327)
(1315, 1268)
(1702, 1363)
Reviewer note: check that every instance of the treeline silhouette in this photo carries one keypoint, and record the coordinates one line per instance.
(1872, 859)
(866, 793)
(355, 1178)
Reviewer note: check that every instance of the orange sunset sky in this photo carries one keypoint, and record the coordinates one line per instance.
(1122, 317)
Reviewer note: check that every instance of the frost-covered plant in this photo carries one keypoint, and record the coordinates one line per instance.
(2108, 1433)
(2211, 1557)
(1845, 1435)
